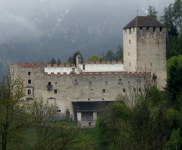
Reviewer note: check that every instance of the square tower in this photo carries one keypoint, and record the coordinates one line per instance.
(144, 47)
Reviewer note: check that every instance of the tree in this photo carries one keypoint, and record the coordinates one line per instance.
(174, 81)
(93, 58)
(152, 12)
(109, 55)
(177, 11)
(12, 108)
(119, 53)
(59, 62)
(53, 61)
(42, 133)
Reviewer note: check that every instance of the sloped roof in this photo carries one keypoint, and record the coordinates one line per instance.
(144, 21)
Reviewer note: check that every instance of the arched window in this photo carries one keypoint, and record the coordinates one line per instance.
(29, 81)
(29, 73)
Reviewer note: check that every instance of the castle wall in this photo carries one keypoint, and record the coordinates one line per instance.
(151, 53)
(130, 49)
(76, 87)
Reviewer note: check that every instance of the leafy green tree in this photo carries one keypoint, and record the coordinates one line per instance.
(152, 12)
(119, 53)
(12, 109)
(109, 55)
(174, 81)
(93, 58)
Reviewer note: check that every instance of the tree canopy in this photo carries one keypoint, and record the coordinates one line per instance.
(94, 58)
(152, 12)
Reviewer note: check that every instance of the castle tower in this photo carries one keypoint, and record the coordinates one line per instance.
(144, 47)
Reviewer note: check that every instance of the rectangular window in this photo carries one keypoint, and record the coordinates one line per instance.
(130, 30)
(92, 91)
(55, 91)
(119, 80)
(55, 82)
(123, 90)
(153, 29)
(147, 29)
(58, 110)
(139, 89)
(130, 64)
(160, 29)
(102, 98)
(103, 91)
(76, 82)
(140, 29)
(128, 53)
(129, 41)
(134, 90)
(87, 116)
(150, 64)
(29, 91)
(49, 83)
(128, 81)
(90, 83)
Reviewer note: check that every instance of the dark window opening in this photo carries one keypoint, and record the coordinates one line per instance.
(58, 110)
(160, 29)
(119, 80)
(128, 81)
(147, 29)
(103, 91)
(49, 83)
(102, 98)
(88, 99)
(29, 73)
(55, 91)
(153, 29)
(83, 66)
(87, 116)
(130, 30)
(129, 41)
(29, 91)
(29, 81)
(139, 89)
(140, 29)
(76, 81)
(150, 64)
(90, 83)
(134, 90)
(105, 82)
(123, 90)
(55, 82)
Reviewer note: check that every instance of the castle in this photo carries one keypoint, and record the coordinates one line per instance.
(83, 89)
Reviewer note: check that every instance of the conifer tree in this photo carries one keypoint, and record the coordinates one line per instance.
(152, 12)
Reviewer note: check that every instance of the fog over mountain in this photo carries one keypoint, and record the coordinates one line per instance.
(38, 30)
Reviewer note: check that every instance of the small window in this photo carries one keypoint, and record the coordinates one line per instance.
(91, 91)
(150, 64)
(128, 53)
(128, 81)
(119, 80)
(29, 73)
(58, 110)
(55, 82)
(29, 81)
(147, 29)
(76, 81)
(129, 41)
(130, 64)
(102, 98)
(134, 90)
(160, 29)
(90, 83)
(83, 66)
(139, 89)
(153, 29)
(123, 90)
(140, 29)
(105, 82)
(55, 91)
(130, 30)
(103, 91)
(88, 99)
(29, 91)
(49, 83)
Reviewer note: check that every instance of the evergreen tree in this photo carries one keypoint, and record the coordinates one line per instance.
(177, 11)
(53, 61)
(119, 53)
(109, 55)
(152, 12)
(59, 62)
(174, 81)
